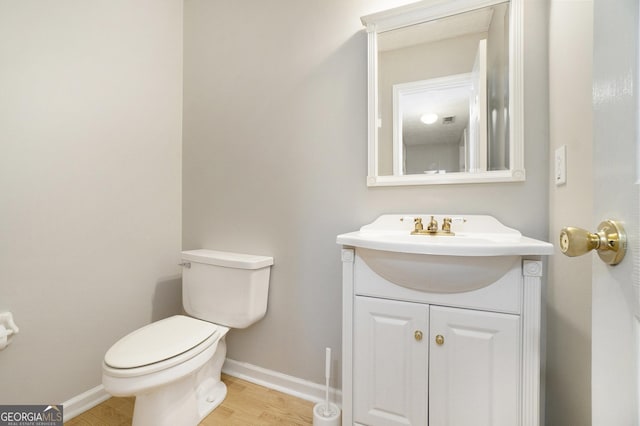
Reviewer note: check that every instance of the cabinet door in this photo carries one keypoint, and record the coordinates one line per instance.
(390, 362)
(473, 368)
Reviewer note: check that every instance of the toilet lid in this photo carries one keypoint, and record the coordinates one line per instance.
(159, 341)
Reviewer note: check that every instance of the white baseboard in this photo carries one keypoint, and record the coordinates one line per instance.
(290, 385)
(83, 402)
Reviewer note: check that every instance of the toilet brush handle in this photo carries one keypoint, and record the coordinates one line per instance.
(327, 363)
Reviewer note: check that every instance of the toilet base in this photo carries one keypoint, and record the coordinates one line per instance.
(187, 400)
(178, 404)
(211, 401)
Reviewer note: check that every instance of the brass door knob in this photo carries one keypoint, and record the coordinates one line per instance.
(440, 339)
(418, 335)
(610, 241)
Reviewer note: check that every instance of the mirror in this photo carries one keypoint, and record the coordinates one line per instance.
(445, 93)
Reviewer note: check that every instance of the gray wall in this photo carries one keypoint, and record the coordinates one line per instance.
(275, 158)
(569, 283)
(90, 184)
(443, 156)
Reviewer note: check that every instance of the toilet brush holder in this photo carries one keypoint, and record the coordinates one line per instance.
(326, 415)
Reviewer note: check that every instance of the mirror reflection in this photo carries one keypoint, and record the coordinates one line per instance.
(443, 95)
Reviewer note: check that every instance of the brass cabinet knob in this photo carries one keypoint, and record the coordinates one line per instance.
(610, 241)
(418, 335)
(440, 339)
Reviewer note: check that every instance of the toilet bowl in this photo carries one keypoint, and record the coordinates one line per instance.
(160, 364)
(173, 366)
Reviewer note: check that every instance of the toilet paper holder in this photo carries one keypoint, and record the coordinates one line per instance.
(8, 329)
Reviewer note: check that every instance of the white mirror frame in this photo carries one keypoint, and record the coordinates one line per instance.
(428, 10)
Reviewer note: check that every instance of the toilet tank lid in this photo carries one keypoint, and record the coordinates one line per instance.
(227, 259)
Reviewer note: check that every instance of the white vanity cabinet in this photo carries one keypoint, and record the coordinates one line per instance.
(390, 368)
(474, 368)
(468, 358)
(441, 330)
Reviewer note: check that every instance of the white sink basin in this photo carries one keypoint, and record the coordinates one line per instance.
(481, 251)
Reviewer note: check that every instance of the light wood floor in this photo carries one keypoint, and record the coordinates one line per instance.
(245, 404)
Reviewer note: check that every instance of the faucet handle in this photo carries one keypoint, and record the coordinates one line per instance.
(446, 224)
(418, 224)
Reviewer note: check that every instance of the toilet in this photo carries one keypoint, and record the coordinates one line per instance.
(173, 366)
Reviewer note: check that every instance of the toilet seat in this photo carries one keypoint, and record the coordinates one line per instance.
(161, 345)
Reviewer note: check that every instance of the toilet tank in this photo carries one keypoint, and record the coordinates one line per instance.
(225, 288)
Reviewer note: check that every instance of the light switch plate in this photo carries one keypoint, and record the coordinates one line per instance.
(560, 174)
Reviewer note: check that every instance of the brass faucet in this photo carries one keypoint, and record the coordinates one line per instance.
(433, 225)
(432, 228)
